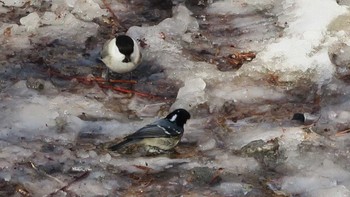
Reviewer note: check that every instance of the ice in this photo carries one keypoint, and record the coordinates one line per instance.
(333, 118)
(207, 144)
(11, 154)
(321, 174)
(298, 49)
(338, 54)
(31, 21)
(233, 189)
(263, 132)
(239, 7)
(171, 27)
(155, 164)
(145, 109)
(87, 187)
(63, 26)
(88, 10)
(240, 140)
(337, 191)
(105, 158)
(331, 170)
(43, 117)
(17, 3)
(3, 10)
(235, 164)
(180, 22)
(192, 94)
(249, 94)
(298, 184)
(70, 3)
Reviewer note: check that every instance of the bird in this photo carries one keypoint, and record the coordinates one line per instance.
(121, 54)
(306, 118)
(155, 138)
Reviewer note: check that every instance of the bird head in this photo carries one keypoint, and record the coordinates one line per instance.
(125, 46)
(179, 116)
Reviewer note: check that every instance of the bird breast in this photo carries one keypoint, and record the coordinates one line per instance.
(162, 143)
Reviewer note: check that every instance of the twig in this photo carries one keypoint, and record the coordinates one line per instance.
(101, 83)
(115, 18)
(119, 89)
(76, 179)
(44, 173)
(341, 133)
(144, 168)
(108, 7)
(216, 177)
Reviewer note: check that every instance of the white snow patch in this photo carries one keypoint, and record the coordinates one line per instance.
(16, 3)
(300, 184)
(31, 21)
(238, 7)
(302, 48)
(233, 189)
(88, 10)
(336, 191)
(191, 95)
(247, 94)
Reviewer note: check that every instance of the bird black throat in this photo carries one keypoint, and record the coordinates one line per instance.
(126, 46)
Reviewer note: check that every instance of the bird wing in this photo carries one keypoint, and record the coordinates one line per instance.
(160, 128)
(114, 147)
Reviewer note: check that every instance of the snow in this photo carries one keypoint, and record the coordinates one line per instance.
(17, 3)
(191, 94)
(233, 189)
(301, 47)
(336, 191)
(303, 184)
(31, 21)
(239, 7)
(88, 10)
(240, 128)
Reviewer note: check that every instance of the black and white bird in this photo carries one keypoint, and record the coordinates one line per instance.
(157, 137)
(121, 54)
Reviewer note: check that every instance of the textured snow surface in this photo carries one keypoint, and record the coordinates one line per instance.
(240, 140)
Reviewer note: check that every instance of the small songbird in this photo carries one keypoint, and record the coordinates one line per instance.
(306, 118)
(157, 137)
(121, 54)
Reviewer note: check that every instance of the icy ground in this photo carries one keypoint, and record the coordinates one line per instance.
(240, 141)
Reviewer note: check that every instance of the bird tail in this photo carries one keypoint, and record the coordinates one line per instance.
(118, 146)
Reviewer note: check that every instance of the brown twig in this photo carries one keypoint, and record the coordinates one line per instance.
(115, 20)
(144, 168)
(341, 133)
(216, 177)
(102, 83)
(44, 173)
(109, 9)
(123, 90)
(76, 179)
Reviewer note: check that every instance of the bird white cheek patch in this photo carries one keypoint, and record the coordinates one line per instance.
(173, 118)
